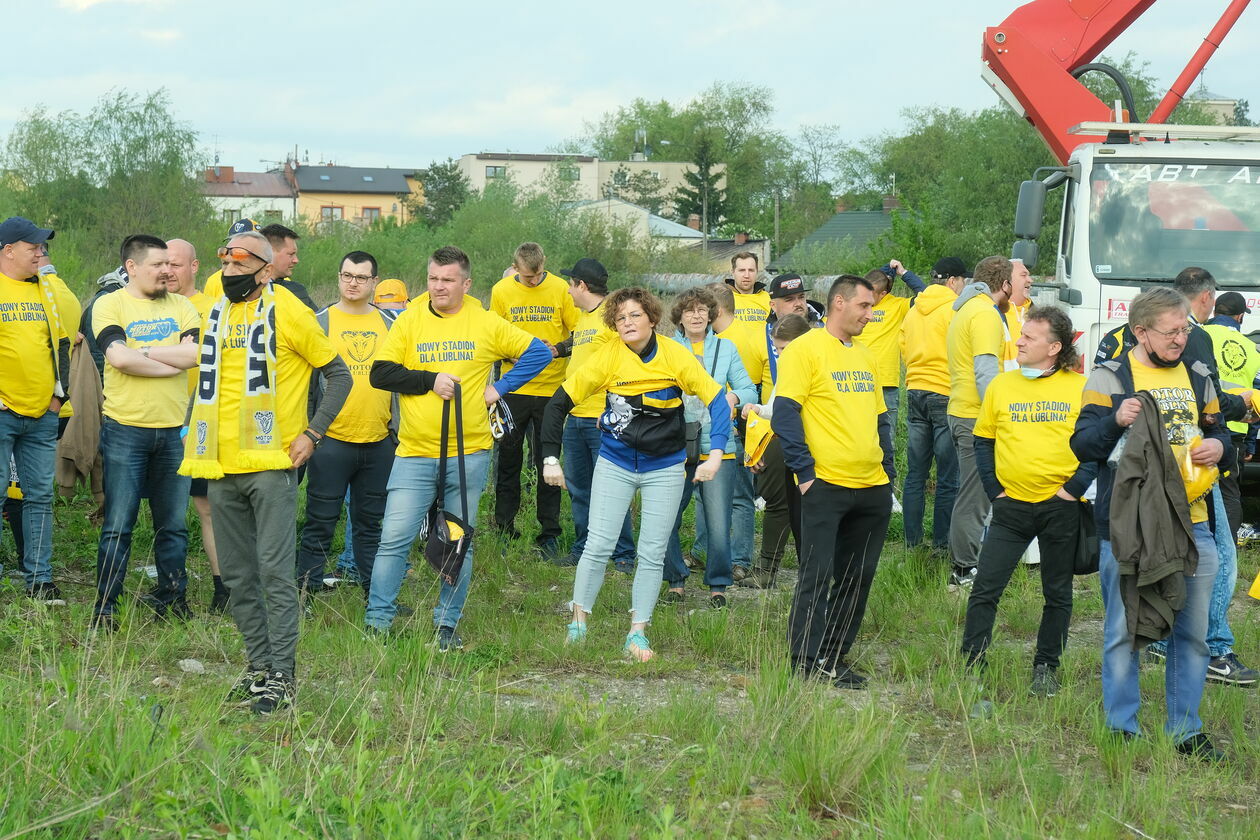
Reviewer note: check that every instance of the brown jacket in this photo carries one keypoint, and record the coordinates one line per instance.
(79, 450)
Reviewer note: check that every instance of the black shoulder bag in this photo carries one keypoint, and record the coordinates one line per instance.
(449, 535)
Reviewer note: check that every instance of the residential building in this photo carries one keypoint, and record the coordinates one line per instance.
(359, 194)
(264, 196)
(848, 231)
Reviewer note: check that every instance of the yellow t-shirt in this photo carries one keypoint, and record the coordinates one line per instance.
(616, 369)
(588, 336)
(1177, 409)
(144, 401)
(466, 344)
(976, 330)
(357, 339)
(301, 346)
(1013, 318)
(1031, 422)
(837, 389)
(882, 333)
(71, 312)
(750, 341)
(214, 286)
(753, 308)
(544, 311)
(924, 337)
(28, 374)
(202, 302)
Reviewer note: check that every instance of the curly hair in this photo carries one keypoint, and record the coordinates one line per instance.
(1061, 330)
(650, 303)
(690, 299)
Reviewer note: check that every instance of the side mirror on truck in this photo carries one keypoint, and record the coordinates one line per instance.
(1030, 209)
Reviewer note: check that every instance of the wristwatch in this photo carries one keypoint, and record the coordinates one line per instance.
(314, 438)
(551, 461)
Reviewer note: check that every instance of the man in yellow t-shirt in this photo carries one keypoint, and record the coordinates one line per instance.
(358, 450)
(183, 272)
(882, 334)
(923, 341)
(1015, 311)
(437, 344)
(974, 345)
(538, 302)
(34, 376)
(833, 425)
(752, 301)
(1034, 482)
(149, 338)
(588, 286)
(255, 507)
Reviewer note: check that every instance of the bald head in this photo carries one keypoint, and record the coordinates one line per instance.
(184, 265)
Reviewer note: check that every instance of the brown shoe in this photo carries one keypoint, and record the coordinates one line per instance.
(739, 573)
(758, 579)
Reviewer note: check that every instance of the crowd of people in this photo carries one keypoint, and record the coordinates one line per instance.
(741, 392)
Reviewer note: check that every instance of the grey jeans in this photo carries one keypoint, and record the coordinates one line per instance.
(254, 516)
(971, 505)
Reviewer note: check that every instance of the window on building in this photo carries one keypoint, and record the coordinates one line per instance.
(329, 214)
(569, 172)
(656, 173)
(230, 216)
(368, 178)
(496, 171)
(371, 214)
(325, 177)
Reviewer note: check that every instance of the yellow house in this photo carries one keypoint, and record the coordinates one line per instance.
(358, 194)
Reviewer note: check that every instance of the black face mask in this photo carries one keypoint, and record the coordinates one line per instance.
(237, 287)
(1158, 361)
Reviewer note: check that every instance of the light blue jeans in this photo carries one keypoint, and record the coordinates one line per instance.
(1186, 667)
(412, 489)
(32, 443)
(614, 487)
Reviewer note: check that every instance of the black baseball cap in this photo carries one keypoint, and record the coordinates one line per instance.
(17, 229)
(1232, 303)
(786, 285)
(949, 267)
(589, 271)
(242, 226)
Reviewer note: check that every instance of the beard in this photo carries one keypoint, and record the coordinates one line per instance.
(159, 293)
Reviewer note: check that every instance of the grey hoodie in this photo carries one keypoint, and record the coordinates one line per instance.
(985, 368)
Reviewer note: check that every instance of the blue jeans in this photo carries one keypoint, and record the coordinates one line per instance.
(345, 562)
(32, 443)
(1186, 667)
(927, 437)
(615, 487)
(581, 450)
(140, 462)
(1220, 638)
(716, 511)
(892, 398)
(412, 490)
(743, 511)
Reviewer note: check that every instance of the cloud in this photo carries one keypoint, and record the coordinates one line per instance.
(161, 36)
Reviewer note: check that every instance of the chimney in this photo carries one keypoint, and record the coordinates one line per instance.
(842, 205)
(220, 174)
(891, 203)
(741, 238)
(693, 221)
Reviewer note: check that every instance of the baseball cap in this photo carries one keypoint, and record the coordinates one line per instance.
(1232, 303)
(242, 226)
(589, 271)
(949, 267)
(17, 229)
(786, 285)
(392, 290)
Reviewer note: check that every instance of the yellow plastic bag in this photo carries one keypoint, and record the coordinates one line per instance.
(1197, 478)
(757, 436)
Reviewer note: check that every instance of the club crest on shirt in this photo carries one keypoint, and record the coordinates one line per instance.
(360, 343)
(264, 420)
(617, 415)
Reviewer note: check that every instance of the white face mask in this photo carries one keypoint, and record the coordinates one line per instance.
(1033, 373)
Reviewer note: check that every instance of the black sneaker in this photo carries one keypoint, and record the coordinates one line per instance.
(626, 567)
(448, 640)
(846, 677)
(717, 601)
(103, 623)
(248, 687)
(219, 602)
(758, 579)
(672, 597)
(961, 578)
(549, 551)
(1045, 681)
(508, 531)
(155, 604)
(403, 611)
(1227, 669)
(567, 561)
(1200, 746)
(180, 610)
(46, 592)
(277, 693)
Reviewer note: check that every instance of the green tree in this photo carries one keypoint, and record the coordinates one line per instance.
(701, 194)
(446, 188)
(641, 188)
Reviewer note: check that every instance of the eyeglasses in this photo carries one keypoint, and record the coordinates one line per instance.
(628, 317)
(1171, 334)
(237, 254)
(356, 279)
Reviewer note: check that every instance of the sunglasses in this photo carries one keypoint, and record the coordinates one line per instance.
(237, 254)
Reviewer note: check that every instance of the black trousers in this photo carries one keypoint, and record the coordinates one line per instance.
(1055, 523)
(1231, 485)
(843, 533)
(527, 412)
(337, 466)
(777, 486)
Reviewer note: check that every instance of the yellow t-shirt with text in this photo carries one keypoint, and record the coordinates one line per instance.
(545, 311)
(466, 344)
(1177, 409)
(749, 339)
(358, 339)
(837, 388)
(146, 402)
(882, 334)
(589, 335)
(976, 330)
(28, 374)
(615, 368)
(301, 347)
(1031, 422)
(752, 308)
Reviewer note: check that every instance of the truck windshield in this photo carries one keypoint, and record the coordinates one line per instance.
(1150, 219)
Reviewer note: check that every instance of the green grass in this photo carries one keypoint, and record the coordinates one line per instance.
(519, 736)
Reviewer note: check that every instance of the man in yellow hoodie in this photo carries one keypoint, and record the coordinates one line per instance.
(923, 341)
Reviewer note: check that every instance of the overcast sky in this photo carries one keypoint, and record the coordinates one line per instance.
(401, 83)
